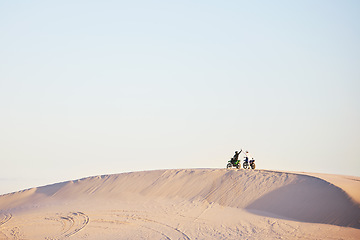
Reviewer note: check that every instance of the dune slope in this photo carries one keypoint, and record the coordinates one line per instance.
(279, 195)
(294, 196)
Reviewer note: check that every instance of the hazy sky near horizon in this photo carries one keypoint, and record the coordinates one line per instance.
(97, 87)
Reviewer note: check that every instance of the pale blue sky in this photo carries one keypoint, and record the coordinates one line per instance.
(98, 87)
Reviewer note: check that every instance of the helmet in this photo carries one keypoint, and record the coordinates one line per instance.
(236, 151)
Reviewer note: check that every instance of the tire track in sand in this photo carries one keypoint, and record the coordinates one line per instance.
(5, 217)
(144, 220)
(71, 224)
(136, 217)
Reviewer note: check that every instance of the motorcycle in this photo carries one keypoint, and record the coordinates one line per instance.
(231, 164)
(234, 162)
(249, 164)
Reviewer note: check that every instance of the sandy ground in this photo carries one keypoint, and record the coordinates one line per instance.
(187, 204)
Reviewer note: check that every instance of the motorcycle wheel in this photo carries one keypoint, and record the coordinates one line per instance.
(252, 166)
(238, 166)
(245, 165)
(228, 165)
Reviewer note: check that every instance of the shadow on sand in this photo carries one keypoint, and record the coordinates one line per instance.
(310, 200)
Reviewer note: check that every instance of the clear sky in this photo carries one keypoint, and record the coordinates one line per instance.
(98, 87)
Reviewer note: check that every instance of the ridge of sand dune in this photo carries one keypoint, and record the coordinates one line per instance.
(292, 196)
(350, 184)
(183, 204)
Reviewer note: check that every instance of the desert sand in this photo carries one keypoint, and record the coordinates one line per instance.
(187, 204)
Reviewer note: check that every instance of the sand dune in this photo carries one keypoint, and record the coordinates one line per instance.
(186, 204)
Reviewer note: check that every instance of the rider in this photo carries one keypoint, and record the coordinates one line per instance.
(235, 158)
(247, 156)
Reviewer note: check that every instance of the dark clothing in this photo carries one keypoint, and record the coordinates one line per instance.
(235, 158)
